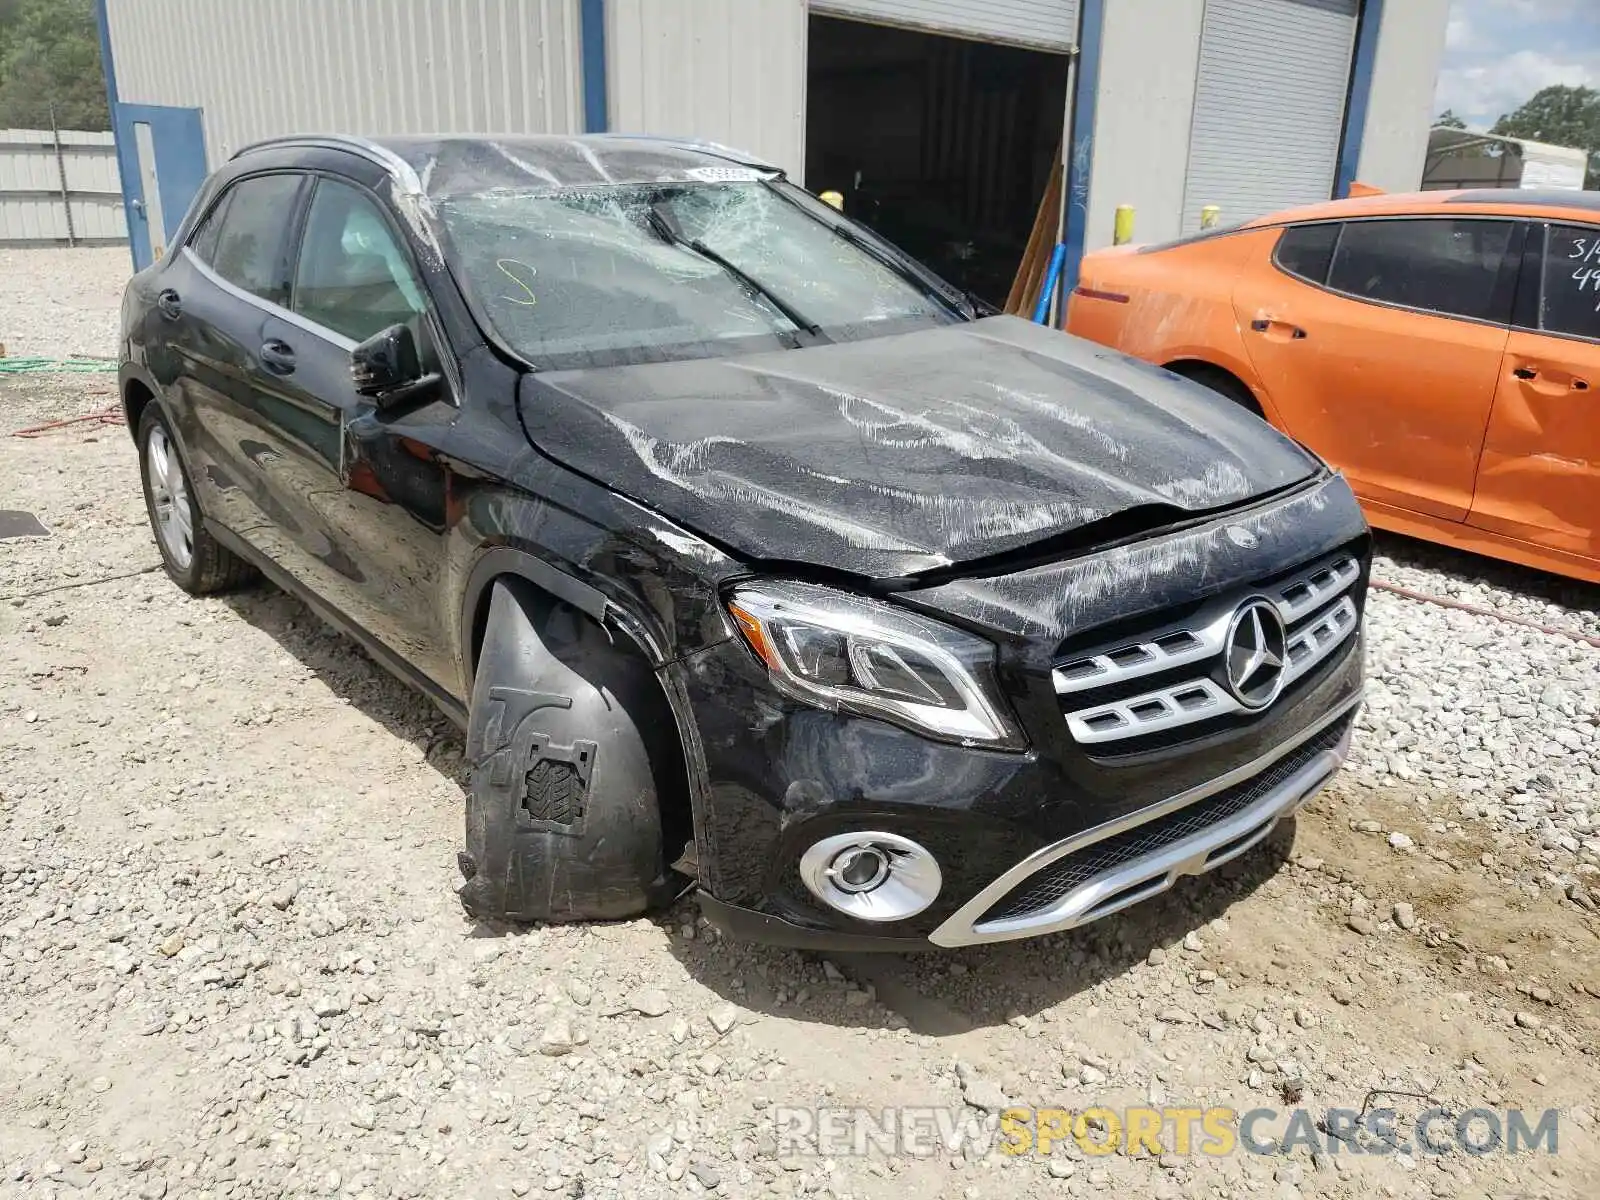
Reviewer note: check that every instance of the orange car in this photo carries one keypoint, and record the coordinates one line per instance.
(1442, 349)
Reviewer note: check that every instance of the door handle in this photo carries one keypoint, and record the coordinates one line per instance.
(1580, 385)
(169, 303)
(1525, 373)
(278, 357)
(1279, 330)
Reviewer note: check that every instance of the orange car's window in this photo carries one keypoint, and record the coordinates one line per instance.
(1440, 265)
(1571, 294)
(1307, 251)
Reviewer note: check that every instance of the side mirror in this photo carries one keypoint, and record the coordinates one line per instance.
(388, 368)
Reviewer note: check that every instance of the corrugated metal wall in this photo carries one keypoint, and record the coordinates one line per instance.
(1049, 24)
(31, 207)
(270, 67)
(732, 71)
(1269, 105)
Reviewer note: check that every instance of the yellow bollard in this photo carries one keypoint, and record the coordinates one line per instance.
(1210, 215)
(1124, 227)
(833, 199)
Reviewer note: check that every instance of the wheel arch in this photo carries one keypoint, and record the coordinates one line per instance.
(681, 798)
(1211, 374)
(137, 393)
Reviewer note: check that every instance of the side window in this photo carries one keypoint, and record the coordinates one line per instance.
(1307, 251)
(1453, 267)
(203, 241)
(353, 277)
(1570, 301)
(250, 246)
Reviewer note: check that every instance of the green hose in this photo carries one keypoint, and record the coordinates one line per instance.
(55, 366)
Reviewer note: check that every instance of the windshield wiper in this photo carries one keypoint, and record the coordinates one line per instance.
(911, 276)
(666, 225)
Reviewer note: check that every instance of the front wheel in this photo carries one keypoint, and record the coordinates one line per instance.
(193, 559)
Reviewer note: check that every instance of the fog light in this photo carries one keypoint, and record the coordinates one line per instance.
(872, 876)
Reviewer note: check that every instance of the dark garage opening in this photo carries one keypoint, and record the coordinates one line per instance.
(941, 144)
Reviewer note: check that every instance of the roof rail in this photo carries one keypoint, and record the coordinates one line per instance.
(403, 172)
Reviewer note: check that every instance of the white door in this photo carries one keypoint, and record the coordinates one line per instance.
(1269, 105)
(150, 186)
(1048, 24)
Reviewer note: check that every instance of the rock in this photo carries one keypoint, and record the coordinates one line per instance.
(579, 992)
(723, 1018)
(1362, 925)
(1400, 841)
(170, 946)
(1175, 1016)
(153, 1188)
(330, 1006)
(649, 1002)
(282, 897)
(1305, 1018)
(557, 1039)
(984, 1094)
(1526, 1020)
(1090, 1076)
(708, 1175)
(1156, 957)
(1061, 1168)
(1405, 916)
(1192, 942)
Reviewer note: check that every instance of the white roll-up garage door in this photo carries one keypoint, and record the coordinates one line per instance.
(1269, 105)
(1048, 24)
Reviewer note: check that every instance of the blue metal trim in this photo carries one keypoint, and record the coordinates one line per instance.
(1080, 156)
(1355, 113)
(593, 36)
(1041, 311)
(108, 67)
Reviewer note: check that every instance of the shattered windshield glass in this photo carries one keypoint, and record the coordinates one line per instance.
(644, 273)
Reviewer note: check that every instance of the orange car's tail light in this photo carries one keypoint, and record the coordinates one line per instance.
(1096, 294)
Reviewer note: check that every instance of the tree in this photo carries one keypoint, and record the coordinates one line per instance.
(1448, 120)
(50, 58)
(1560, 116)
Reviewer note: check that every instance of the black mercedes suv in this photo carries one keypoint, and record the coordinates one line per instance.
(748, 553)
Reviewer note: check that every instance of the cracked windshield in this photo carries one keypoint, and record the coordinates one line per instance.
(644, 273)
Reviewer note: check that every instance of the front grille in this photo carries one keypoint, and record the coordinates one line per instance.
(1064, 876)
(1175, 676)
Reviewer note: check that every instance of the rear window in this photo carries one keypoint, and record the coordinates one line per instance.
(1453, 267)
(1306, 251)
(1570, 302)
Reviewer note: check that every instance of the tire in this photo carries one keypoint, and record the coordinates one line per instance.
(194, 560)
(567, 739)
(1223, 384)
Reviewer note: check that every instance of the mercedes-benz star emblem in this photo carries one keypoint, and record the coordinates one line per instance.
(1242, 537)
(1255, 654)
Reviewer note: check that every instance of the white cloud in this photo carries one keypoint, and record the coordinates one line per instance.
(1481, 91)
(1460, 34)
(1500, 52)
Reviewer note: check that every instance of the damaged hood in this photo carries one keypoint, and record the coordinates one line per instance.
(896, 455)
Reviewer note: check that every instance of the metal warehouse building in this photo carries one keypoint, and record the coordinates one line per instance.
(939, 121)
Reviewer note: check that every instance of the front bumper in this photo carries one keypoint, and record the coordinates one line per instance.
(1109, 868)
(1024, 848)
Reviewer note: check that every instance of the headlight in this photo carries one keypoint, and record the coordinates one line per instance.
(839, 651)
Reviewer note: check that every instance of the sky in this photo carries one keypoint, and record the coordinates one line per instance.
(1498, 53)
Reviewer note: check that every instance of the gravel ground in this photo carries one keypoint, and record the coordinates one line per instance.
(232, 964)
(57, 302)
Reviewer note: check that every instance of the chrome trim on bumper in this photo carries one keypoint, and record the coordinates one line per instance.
(1200, 852)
